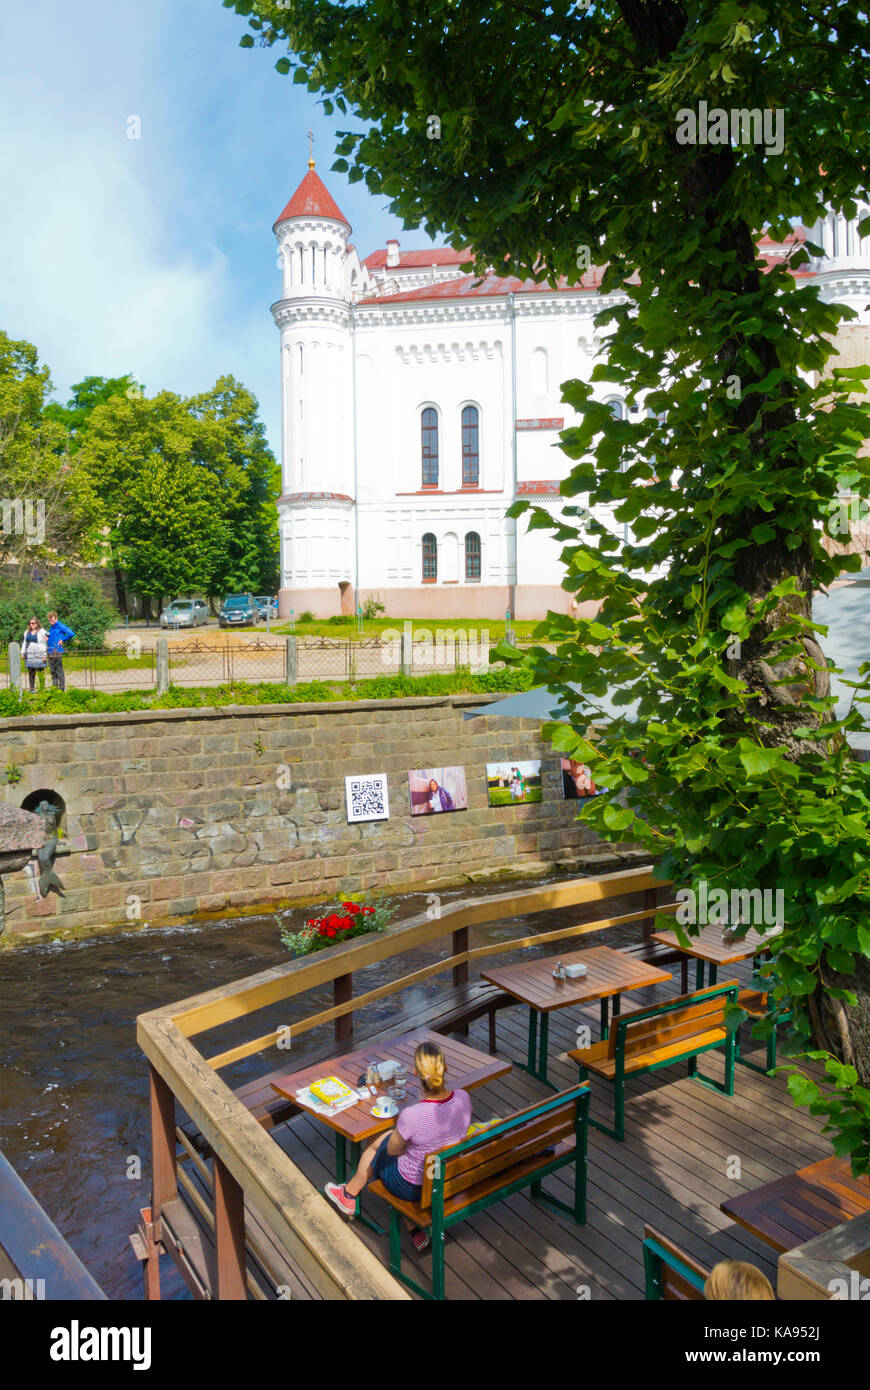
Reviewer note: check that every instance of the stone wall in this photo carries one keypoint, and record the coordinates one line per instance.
(190, 810)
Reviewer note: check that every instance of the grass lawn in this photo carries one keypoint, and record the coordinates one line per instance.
(501, 796)
(346, 629)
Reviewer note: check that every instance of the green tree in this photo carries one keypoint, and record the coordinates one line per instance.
(156, 463)
(48, 506)
(561, 140)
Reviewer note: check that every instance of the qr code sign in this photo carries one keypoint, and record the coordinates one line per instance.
(367, 797)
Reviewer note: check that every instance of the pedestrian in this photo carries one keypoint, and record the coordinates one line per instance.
(58, 634)
(34, 652)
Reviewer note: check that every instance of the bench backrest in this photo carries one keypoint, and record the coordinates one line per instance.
(491, 1154)
(674, 1020)
(670, 1273)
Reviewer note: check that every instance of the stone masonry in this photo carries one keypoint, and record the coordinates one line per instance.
(175, 812)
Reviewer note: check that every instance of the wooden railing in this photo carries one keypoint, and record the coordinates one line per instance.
(248, 1163)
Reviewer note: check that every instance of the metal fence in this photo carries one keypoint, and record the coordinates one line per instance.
(212, 661)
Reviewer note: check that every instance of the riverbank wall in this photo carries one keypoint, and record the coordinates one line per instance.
(171, 813)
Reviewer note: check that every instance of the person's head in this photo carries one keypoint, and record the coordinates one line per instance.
(734, 1280)
(52, 617)
(433, 784)
(33, 624)
(430, 1065)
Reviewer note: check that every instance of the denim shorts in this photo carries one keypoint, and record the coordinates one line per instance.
(386, 1170)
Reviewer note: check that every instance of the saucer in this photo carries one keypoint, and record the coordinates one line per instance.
(384, 1109)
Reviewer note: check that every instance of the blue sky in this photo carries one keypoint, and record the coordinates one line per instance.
(154, 256)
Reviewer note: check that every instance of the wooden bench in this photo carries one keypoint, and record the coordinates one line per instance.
(658, 1036)
(755, 1003)
(470, 1176)
(449, 1012)
(669, 1273)
(656, 953)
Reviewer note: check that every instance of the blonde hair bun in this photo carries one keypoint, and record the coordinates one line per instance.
(431, 1065)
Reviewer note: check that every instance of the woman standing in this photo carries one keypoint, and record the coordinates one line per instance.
(439, 798)
(34, 652)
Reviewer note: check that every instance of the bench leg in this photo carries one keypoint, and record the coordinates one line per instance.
(396, 1257)
(684, 975)
(619, 1107)
(437, 1259)
(492, 1046)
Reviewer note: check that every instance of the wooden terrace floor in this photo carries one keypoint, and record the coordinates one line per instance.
(672, 1171)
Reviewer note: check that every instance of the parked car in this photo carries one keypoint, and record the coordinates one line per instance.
(237, 610)
(185, 612)
(267, 607)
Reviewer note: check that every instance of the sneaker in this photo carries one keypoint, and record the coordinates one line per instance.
(422, 1239)
(341, 1199)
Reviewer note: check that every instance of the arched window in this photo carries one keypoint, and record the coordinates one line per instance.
(470, 447)
(429, 440)
(617, 407)
(430, 558)
(472, 557)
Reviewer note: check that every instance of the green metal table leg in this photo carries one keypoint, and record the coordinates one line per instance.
(360, 1214)
(542, 1048)
(699, 973)
(340, 1159)
(617, 1005)
(536, 1060)
(605, 1027)
(533, 1038)
(712, 974)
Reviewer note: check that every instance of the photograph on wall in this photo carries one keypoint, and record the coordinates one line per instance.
(514, 783)
(367, 797)
(435, 789)
(577, 781)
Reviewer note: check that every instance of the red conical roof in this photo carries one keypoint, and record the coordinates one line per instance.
(313, 199)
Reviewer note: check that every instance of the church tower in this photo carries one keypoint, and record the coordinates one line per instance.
(314, 318)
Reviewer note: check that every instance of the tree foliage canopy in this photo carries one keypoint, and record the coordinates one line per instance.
(546, 137)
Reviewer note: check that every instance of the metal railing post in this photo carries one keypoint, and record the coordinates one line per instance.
(291, 662)
(15, 668)
(407, 653)
(162, 660)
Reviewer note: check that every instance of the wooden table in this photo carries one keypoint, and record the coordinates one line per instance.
(531, 982)
(466, 1069)
(792, 1210)
(709, 946)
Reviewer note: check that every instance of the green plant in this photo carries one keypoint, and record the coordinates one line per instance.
(341, 620)
(81, 604)
(372, 608)
(306, 617)
(342, 921)
(259, 746)
(13, 774)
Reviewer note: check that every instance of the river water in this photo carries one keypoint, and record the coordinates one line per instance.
(74, 1088)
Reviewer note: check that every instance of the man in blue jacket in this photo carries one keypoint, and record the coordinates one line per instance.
(58, 633)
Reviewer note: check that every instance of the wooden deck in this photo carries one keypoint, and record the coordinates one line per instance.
(672, 1171)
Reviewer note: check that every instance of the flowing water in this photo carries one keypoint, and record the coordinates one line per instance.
(74, 1083)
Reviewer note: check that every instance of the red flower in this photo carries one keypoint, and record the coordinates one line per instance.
(345, 923)
(368, 911)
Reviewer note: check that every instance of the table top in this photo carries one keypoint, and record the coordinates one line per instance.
(466, 1068)
(792, 1210)
(708, 944)
(609, 972)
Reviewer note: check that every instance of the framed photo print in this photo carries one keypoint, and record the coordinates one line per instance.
(514, 782)
(437, 789)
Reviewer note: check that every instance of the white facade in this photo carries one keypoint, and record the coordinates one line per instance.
(372, 354)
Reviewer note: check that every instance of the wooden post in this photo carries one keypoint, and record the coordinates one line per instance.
(460, 944)
(342, 992)
(162, 655)
(650, 901)
(15, 668)
(164, 1181)
(291, 662)
(229, 1225)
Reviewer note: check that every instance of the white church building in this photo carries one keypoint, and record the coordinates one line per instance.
(418, 403)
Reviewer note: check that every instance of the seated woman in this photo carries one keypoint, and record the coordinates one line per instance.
(733, 1280)
(398, 1158)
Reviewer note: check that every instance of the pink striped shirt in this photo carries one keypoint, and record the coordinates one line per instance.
(430, 1125)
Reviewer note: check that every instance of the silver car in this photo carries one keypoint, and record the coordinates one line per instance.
(184, 612)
